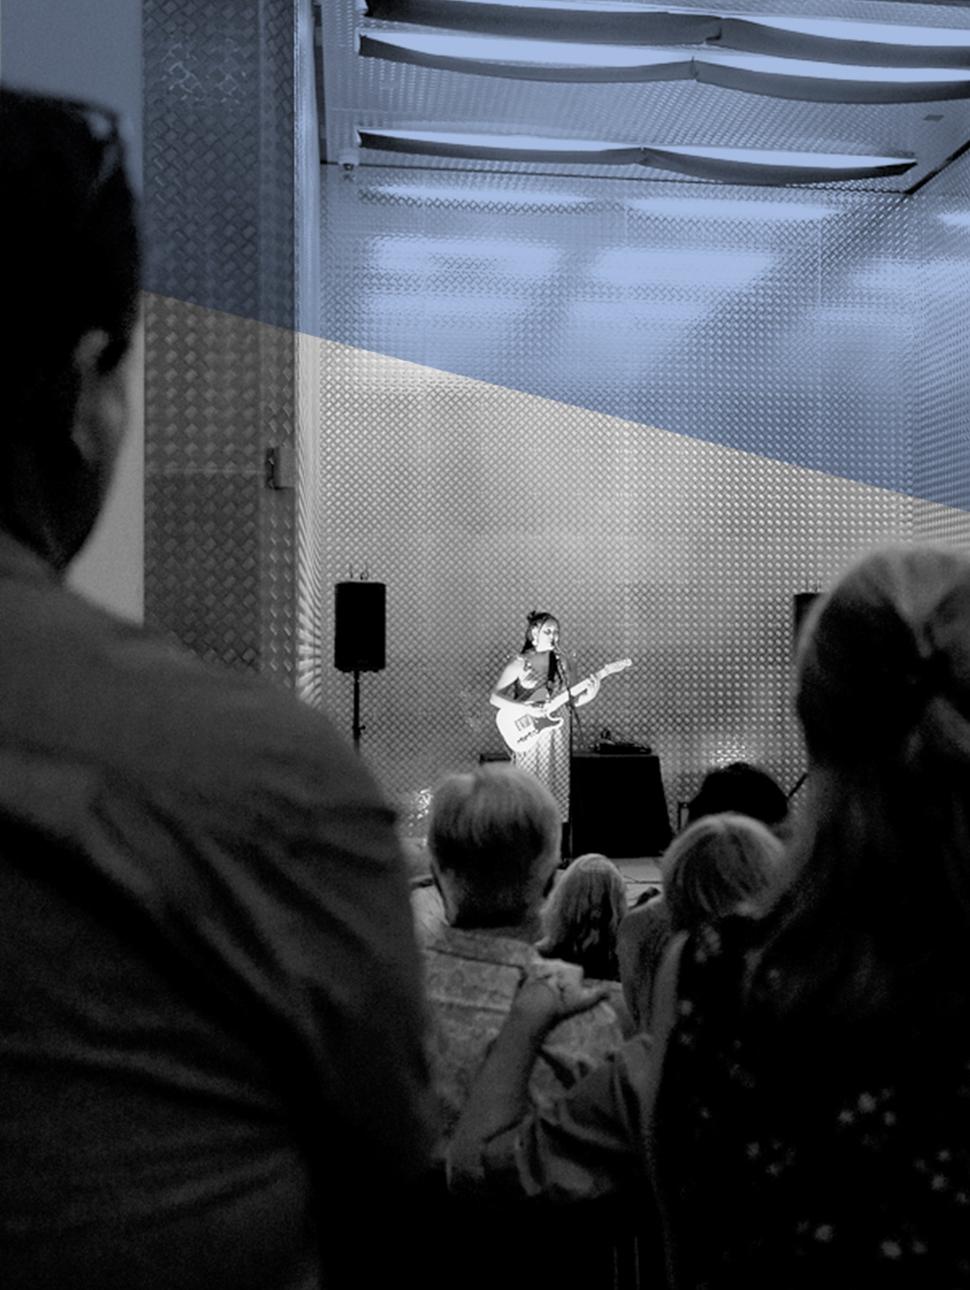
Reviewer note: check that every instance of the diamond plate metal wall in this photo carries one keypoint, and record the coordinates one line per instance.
(311, 640)
(941, 218)
(220, 374)
(755, 365)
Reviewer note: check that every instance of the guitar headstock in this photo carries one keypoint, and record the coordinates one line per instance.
(620, 665)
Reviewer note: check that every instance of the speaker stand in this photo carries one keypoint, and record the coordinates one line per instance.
(358, 729)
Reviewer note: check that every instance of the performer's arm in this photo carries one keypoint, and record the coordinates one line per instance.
(500, 697)
(590, 691)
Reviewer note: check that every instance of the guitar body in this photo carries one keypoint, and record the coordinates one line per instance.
(520, 730)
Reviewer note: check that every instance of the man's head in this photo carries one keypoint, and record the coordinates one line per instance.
(494, 842)
(742, 789)
(70, 289)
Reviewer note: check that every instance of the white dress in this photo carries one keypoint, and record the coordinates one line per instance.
(547, 756)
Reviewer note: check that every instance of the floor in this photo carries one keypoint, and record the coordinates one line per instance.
(639, 874)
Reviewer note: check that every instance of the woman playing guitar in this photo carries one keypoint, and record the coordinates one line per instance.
(523, 690)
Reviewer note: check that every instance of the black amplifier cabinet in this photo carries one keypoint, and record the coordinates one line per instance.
(618, 805)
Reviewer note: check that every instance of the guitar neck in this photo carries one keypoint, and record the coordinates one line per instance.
(578, 688)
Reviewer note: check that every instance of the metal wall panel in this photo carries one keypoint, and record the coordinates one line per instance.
(219, 183)
(941, 237)
(477, 501)
(659, 422)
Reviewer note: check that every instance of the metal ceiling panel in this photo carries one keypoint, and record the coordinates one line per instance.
(378, 93)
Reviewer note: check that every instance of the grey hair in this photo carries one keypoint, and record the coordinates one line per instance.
(494, 837)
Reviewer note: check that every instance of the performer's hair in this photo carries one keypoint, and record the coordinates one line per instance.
(535, 618)
(494, 838)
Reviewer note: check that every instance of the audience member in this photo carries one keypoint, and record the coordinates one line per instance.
(581, 919)
(494, 837)
(709, 869)
(741, 789)
(805, 1107)
(494, 842)
(582, 915)
(211, 1024)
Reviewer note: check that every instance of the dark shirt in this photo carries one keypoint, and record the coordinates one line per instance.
(782, 1157)
(210, 1010)
(806, 1153)
(642, 938)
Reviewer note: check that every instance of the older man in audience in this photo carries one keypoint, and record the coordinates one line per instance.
(494, 840)
(494, 843)
(211, 1029)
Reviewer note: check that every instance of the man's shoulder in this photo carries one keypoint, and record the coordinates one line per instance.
(132, 699)
(471, 978)
(479, 945)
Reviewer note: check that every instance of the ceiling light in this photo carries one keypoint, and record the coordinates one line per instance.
(737, 165)
(844, 41)
(840, 40)
(788, 78)
(551, 60)
(570, 19)
(499, 147)
(768, 165)
(795, 78)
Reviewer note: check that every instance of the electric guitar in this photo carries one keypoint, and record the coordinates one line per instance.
(520, 729)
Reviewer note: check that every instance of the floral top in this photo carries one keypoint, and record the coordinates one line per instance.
(782, 1159)
(795, 1160)
(472, 977)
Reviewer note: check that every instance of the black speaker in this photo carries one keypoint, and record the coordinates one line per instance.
(801, 604)
(359, 637)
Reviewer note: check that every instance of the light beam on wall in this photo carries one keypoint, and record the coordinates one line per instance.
(714, 208)
(958, 219)
(703, 270)
(470, 197)
(445, 256)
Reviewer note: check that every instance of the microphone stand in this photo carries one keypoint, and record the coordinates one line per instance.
(798, 783)
(573, 716)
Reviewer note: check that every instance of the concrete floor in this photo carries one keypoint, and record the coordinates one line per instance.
(639, 873)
